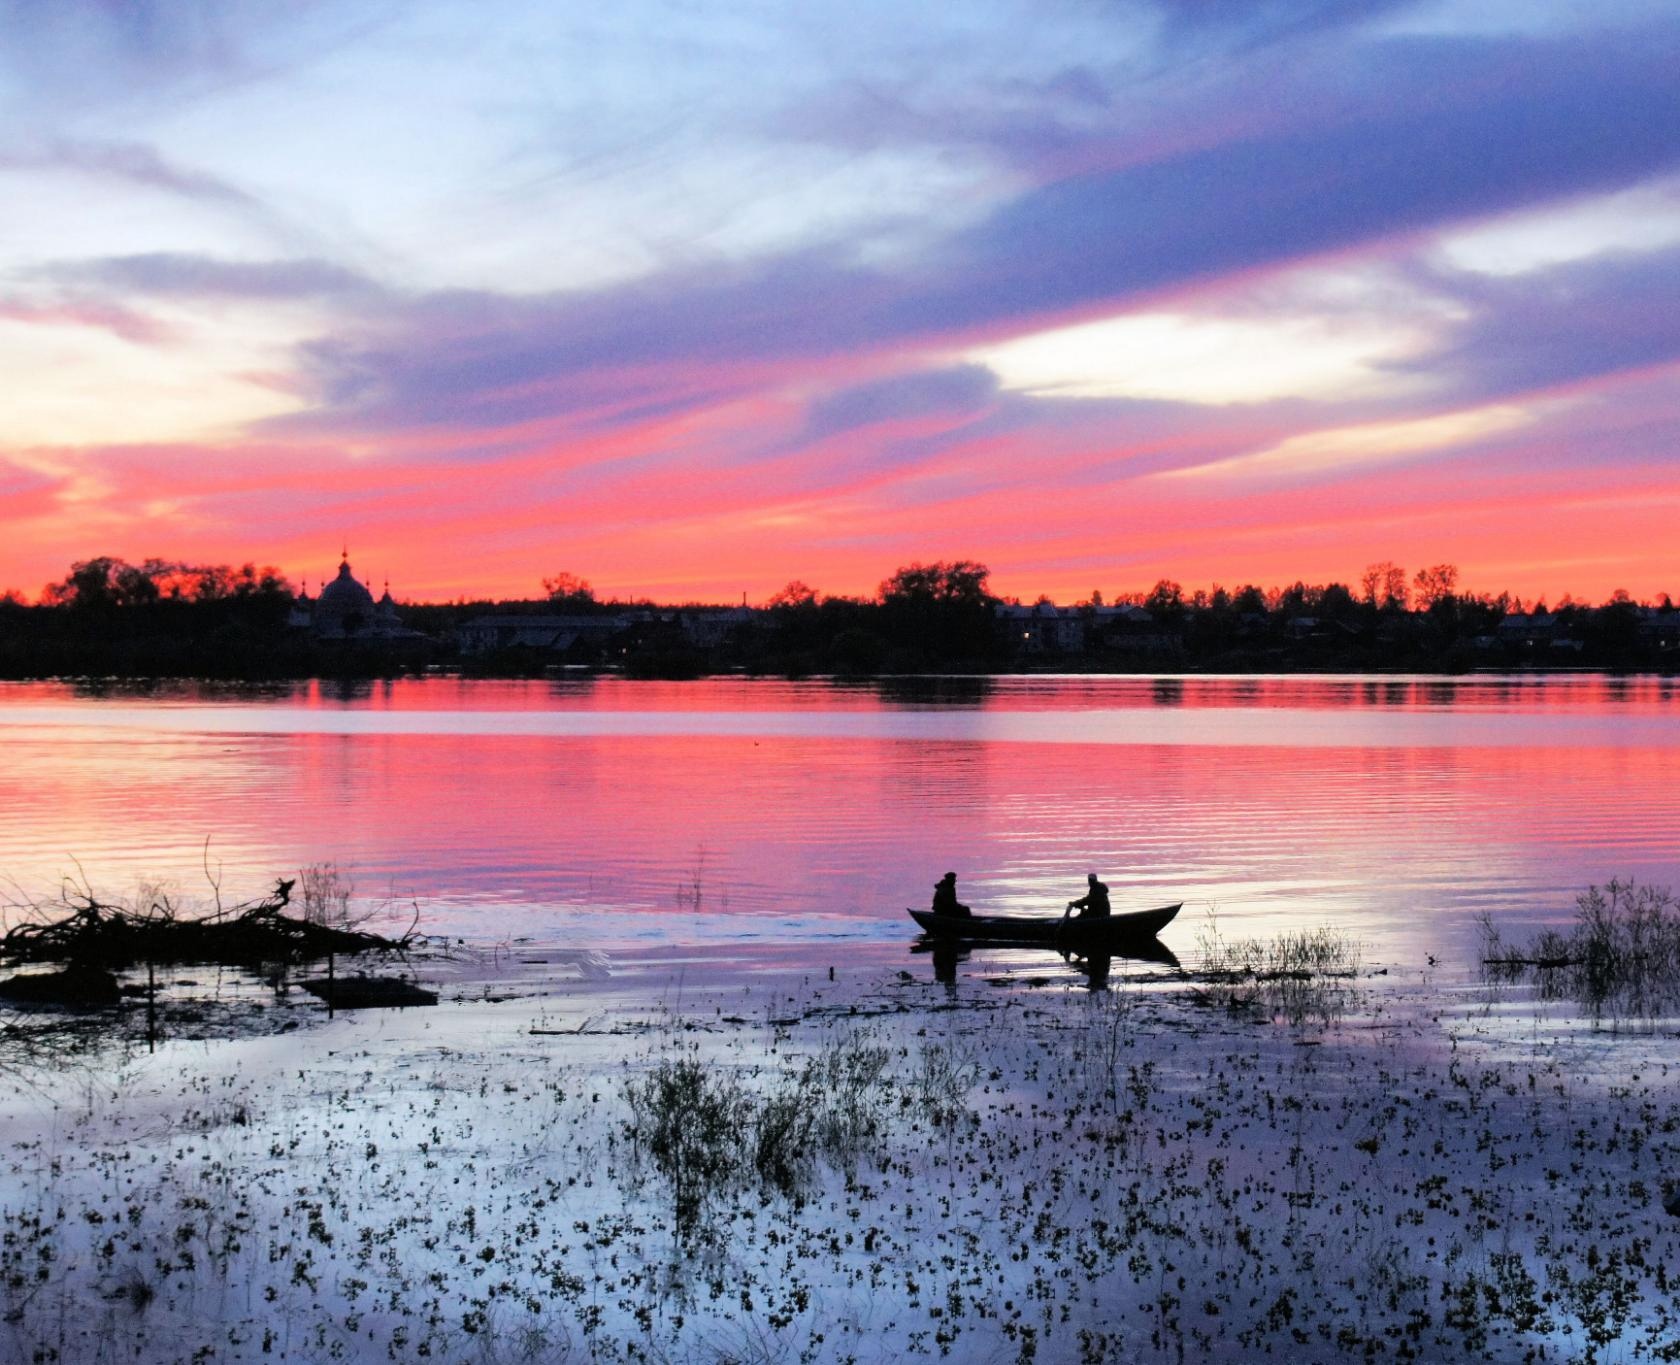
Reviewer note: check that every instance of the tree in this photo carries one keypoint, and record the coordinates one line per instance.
(1614, 627)
(793, 596)
(1335, 602)
(568, 590)
(101, 584)
(1165, 601)
(1384, 586)
(107, 583)
(940, 610)
(250, 581)
(960, 583)
(1436, 584)
(1293, 600)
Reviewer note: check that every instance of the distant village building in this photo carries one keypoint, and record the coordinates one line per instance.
(1134, 629)
(1527, 629)
(1526, 632)
(1043, 628)
(346, 610)
(1660, 626)
(547, 633)
(708, 627)
(570, 634)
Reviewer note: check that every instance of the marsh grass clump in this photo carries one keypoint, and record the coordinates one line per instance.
(707, 1133)
(1620, 961)
(832, 1109)
(689, 1119)
(325, 892)
(783, 1140)
(845, 1082)
(942, 1084)
(1300, 976)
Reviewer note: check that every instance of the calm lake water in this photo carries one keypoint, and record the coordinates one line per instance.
(614, 813)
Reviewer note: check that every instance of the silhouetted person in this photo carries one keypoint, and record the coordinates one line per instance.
(1094, 903)
(945, 900)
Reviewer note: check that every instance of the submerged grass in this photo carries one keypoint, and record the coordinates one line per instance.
(1620, 962)
(1300, 976)
(707, 1133)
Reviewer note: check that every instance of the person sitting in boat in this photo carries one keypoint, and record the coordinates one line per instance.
(945, 900)
(1094, 903)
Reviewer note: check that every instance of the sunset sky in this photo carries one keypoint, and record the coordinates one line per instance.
(694, 299)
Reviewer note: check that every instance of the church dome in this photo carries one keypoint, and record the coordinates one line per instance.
(344, 606)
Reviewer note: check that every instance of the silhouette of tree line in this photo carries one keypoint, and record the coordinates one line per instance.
(172, 618)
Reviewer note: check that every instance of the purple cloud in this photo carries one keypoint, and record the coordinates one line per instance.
(1447, 131)
(957, 391)
(1424, 133)
(1558, 326)
(182, 273)
(133, 162)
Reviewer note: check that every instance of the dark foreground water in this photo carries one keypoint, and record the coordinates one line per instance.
(606, 813)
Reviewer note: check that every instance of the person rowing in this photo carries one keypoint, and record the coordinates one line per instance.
(1094, 903)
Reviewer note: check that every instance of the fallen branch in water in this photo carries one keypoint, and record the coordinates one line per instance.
(97, 934)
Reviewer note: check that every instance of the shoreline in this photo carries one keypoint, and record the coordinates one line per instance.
(1063, 669)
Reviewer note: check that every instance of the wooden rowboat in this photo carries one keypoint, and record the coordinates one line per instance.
(1112, 931)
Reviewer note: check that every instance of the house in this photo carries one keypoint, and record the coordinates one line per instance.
(1134, 629)
(708, 627)
(536, 633)
(1660, 627)
(1303, 628)
(1043, 628)
(1528, 629)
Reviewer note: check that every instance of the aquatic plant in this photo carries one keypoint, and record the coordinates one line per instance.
(325, 893)
(689, 1119)
(705, 1131)
(1620, 962)
(1299, 976)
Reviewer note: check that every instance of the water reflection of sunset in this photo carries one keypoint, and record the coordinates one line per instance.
(502, 833)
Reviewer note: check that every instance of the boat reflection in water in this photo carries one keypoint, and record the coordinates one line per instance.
(1094, 966)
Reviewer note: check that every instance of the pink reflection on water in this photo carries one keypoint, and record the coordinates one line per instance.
(1519, 693)
(1394, 807)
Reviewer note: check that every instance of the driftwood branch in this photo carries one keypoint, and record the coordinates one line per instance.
(95, 934)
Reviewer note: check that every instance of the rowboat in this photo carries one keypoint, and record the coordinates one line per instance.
(1110, 931)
